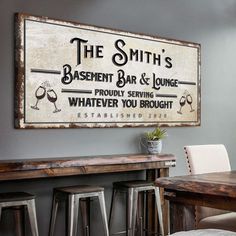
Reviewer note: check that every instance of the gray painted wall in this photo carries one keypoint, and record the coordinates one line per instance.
(208, 22)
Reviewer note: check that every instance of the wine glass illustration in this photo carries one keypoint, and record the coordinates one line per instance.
(182, 102)
(39, 94)
(190, 101)
(52, 97)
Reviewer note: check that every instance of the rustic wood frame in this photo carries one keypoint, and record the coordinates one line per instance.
(20, 87)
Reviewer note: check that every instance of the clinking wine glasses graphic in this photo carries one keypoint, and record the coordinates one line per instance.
(52, 97)
(189, 100)
(40, 93)
(186, 97)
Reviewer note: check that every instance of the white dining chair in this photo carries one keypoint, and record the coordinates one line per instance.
(207, 159)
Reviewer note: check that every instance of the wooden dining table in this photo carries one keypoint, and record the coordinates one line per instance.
(40, 168)
(216, 190)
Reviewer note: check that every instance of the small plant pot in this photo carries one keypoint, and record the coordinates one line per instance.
(154, 147)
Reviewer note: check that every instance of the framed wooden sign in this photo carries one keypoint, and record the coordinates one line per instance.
(73, 75)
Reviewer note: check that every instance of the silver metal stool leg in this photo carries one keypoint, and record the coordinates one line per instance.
(32, 217)
(130, 205)
(111, 216)
(103, 211)
(159, 209)
(53, 215)
(73, 211)
(134, 211)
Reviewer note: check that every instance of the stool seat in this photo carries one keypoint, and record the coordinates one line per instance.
(79, 189)
(72, 195)
(133, 184)
(15, 196)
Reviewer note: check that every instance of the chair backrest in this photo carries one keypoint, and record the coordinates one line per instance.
(207, 158)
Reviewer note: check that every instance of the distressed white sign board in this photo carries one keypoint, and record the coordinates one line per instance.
(73, 75)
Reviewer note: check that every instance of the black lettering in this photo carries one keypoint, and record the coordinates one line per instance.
(168, 62)
(156, 58)
(119, 59)
(82, 75)
(121, 79)
(73, 101)
(88, 50)
(134, 54)
(76, 75)
(67, 78)
(99, 51)
(79, 42)
(148, 54)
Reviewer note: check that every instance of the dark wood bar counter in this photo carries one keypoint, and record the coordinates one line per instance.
(67, 166)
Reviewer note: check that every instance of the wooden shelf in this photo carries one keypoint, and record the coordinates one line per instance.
(67, 166)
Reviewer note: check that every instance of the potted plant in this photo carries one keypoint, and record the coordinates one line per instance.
(154, 140)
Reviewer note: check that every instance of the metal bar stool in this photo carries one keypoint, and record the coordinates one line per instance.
(132, 190)
(23, 200)
(72, 196)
